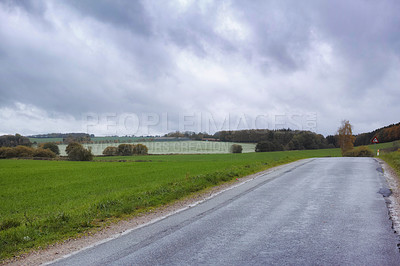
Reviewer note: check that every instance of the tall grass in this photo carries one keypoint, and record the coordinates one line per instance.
(393, 159)
(46, 201)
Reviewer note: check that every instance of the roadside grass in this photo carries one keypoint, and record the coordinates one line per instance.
(375, 147)
(46, 201)
(393, 159)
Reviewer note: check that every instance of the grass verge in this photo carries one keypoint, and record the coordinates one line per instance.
(393, 159)
(46, 201)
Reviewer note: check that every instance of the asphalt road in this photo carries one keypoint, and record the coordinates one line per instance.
(318, 211)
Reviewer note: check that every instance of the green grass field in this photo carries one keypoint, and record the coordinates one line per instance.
(46, 201)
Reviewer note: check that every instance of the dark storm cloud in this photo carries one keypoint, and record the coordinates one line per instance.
(54, 72)
(255, 57)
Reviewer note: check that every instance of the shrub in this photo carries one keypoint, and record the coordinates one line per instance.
(362, 151)
(4, 151)
(264, 146)
(79, 153)
(15, 152)
(44, 153)
(236, 148)
(24, 151)
(140, 149)
(72, 146)
(51, 146)
(126, 149)
(110, 151)
(9, 152)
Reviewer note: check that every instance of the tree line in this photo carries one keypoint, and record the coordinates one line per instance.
(44, 150)
(189, 134)
(385, 134)
(126, 150)
(61, 135)
(13, 141)
(268, 140)
(276, 140)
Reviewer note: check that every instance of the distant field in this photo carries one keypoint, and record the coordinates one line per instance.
(44, 201)
(175, 147)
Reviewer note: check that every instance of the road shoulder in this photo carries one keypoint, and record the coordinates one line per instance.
(393, 201)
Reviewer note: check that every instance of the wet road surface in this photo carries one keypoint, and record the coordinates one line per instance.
(316, 211)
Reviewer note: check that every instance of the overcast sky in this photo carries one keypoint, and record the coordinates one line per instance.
(150, 67)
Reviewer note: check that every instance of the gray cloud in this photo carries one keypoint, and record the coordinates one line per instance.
(129, 15)
(61, 59)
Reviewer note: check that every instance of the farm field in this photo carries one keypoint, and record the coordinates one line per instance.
(174, 147)
(46, 201)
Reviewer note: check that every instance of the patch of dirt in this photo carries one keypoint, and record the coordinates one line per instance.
(394, 199)
(89, 239)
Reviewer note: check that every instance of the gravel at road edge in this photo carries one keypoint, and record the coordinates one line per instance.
(393, 201)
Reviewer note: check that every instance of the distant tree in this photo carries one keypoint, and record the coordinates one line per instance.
(345, 137)
(3, 151)
(110, 151)
(10, 152)
(236, 148)
(76, 137)
(79, 153)
(23, 151)
(140, 149)
(332, 140)
(76, 152)
(51, 146)
(13, 141)
(126, 149)
(44, 153)
(72, 146)
(7, 152)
